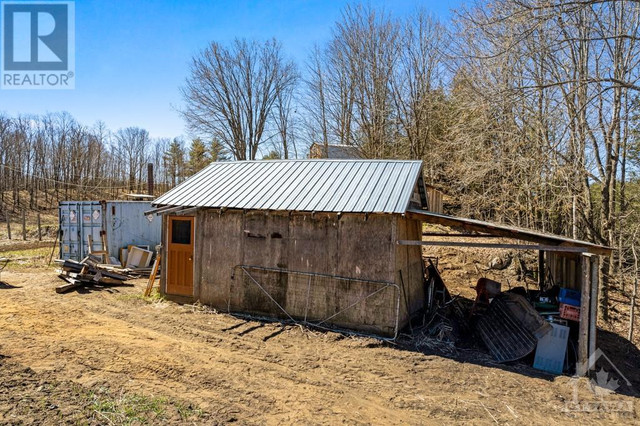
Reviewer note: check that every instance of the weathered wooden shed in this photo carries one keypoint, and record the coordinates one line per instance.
(334, 243)
(310, 240)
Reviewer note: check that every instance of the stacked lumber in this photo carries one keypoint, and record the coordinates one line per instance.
(130, 272)
(88, 272)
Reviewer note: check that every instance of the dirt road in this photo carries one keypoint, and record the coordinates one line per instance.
(228, 369)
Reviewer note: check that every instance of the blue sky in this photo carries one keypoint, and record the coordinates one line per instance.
(133, 55)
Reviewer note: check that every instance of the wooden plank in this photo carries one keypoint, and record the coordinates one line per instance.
(152, 278)
(7, 217)
(456, 235)
(593, 317)
(39, 228)
(583, 331)
(24, 224)
(541, 273)
(503, 231)
(70, 285)
(112, 281)
(491, 245)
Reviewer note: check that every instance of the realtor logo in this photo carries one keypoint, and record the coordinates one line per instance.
(38, 45)
(601, 387)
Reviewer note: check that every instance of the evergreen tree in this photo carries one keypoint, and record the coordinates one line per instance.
(199, 157)
(217, 152)
(174, 161)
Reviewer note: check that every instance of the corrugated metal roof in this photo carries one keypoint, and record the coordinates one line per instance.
(363, 186)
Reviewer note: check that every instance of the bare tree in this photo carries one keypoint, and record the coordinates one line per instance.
(231, 93)
(132, 145)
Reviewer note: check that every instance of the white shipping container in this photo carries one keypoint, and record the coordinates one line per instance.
(123, 221)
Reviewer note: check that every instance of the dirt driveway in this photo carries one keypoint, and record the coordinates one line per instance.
(226, 369)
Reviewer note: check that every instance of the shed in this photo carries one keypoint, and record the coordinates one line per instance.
(332, 243)
(311, 240)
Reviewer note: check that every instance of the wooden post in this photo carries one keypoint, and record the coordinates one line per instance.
(593, 318)
(7, 216)
(634, 294)
(583, 331)
(541, 269)
(24, 225)
(150, 178)
(152, 277)
(39, 228)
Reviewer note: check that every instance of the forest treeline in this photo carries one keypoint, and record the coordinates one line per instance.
(523, 111)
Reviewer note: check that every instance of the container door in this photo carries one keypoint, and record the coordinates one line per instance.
(68, 222)
(90, 224)
(77, 220)
(180, 256)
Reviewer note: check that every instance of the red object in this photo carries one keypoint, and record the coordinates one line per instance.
(569, 312)
(486, 289)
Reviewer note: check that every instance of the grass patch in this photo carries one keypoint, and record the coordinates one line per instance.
(27, 258)
(132, 408)
(128, 408)
(155, 296)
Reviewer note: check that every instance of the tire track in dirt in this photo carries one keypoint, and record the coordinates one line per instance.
(254, 372)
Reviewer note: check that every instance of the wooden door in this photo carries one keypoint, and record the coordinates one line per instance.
(180, 256)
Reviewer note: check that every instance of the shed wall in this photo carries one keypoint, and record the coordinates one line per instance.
(409, 266)
(348, 246)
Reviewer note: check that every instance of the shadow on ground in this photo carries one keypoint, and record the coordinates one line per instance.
(7, 286)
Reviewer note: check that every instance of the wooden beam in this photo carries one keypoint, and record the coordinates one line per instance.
(582, 365)
(158, 210)
(444, 234)
(503, 231)
(565, 249)
(152, 277)
(593, 316)
(170, 210)
(541, 269)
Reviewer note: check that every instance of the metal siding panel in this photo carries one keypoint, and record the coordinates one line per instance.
(369, 194)
(209, 191)
(373, 205)
(129, 225)
(278, 187)
(412, 179)
(313, 181)
(307, 183)
(214, 197)
(345, 190)
(210, 177)
(324, 198)
(249, 182)
(325, 177)
(397, 189)
(284, 181)
(380, 186)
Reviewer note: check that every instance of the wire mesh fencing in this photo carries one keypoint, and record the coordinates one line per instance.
(320, 300)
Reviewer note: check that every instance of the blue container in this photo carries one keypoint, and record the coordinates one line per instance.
(569, 297)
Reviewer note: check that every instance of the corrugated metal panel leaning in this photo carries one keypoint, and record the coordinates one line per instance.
(356, 186)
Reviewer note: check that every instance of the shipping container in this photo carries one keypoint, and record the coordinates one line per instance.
(124, 223)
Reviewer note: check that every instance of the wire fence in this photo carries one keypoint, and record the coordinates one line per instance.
(321, 300)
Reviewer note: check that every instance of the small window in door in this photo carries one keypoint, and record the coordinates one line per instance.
(181, 232)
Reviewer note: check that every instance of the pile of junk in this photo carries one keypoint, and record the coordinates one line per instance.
(535, 327)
